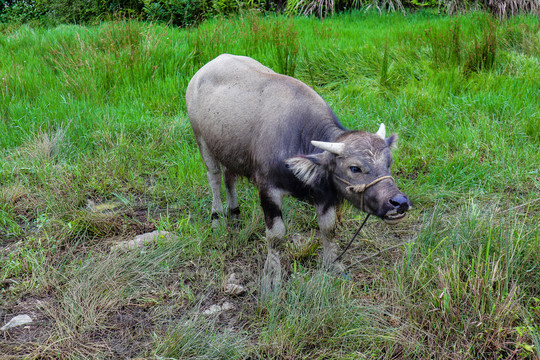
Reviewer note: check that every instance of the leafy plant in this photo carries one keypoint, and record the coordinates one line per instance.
(176, 12)
(18, 11)
(425, 3)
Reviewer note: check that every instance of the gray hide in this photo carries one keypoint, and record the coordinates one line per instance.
(278, 132)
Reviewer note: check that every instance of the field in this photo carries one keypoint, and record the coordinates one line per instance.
(96, 148)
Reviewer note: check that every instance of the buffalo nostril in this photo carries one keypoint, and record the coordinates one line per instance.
(400, 203)
(394, 203)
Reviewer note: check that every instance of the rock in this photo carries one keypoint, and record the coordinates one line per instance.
(232, 287)
(215, 309)
(140, 240)
(102, 208)
(17, 321)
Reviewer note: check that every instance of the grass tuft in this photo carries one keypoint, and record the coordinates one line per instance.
(197, 337)
(467, 274)
(317, 314)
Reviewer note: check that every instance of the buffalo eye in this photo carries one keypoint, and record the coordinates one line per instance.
(355, 169)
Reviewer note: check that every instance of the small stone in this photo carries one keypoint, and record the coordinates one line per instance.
(227, 306)
(234, 289)
(17, 321)
(214, 309)
(140, 240)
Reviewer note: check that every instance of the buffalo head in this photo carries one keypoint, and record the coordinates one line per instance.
(358, 165)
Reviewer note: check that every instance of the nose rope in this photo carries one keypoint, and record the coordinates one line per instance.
(361, 188)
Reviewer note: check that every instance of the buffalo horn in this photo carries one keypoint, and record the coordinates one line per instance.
(334, 148)
(382, 131)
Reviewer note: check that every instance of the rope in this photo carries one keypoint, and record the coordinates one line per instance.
(352, 239)
(360, 188)
(377, 253)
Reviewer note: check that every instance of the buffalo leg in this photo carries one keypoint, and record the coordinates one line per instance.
(213, 172)
(275, 233)
(327, 225)
(232, 199)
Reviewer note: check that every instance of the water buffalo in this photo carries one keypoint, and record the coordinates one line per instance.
(278, 132)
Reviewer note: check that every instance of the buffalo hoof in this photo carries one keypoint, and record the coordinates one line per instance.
(215, 220)
(234, 215)
(329, 263)
(336, 268)
(271, 279)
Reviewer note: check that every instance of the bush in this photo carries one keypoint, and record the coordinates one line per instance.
(191, 12)
(86, 11)
(66, 11)
(176, 12)
(18, 11)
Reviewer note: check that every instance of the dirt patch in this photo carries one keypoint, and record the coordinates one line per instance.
(24, 339)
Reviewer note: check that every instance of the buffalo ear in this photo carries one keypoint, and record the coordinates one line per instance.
(392, 141)
(309, 169)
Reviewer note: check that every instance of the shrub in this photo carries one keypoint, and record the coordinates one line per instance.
(66, 11)
(18, 11)
(86, 11)
(176, 12)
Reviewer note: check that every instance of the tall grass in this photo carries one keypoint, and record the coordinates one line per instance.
(472, 274)
(317, 315)
(96, 148)
(275, 39)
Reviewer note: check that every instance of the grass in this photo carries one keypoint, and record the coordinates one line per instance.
(97, 148)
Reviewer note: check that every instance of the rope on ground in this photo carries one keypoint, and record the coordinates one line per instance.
(517, 207)
(377, 253)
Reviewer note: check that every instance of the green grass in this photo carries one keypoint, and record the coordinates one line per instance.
(96, 148)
